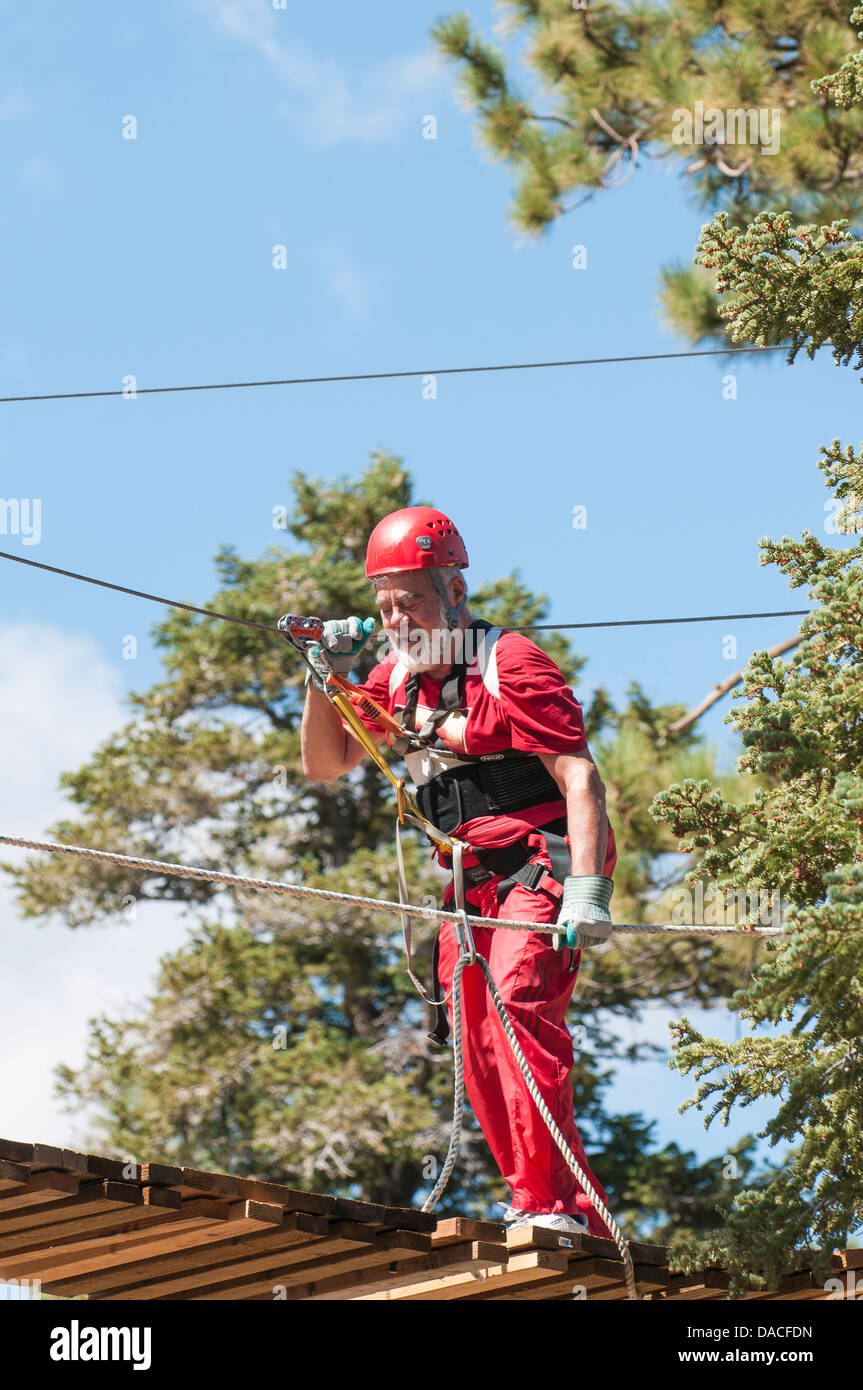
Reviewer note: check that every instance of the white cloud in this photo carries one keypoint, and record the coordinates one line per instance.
(326, 104)
(59, 698)
(342, 281)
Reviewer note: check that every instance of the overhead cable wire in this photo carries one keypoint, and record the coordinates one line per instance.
(138, 593)
(388, 376)
(264, 627)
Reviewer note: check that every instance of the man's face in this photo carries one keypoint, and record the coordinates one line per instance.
(414, 619)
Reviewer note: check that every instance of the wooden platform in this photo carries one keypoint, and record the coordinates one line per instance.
(86, 1225)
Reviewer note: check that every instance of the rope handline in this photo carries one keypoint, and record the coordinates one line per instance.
(265, 627)
(434, 914)
(391, 376)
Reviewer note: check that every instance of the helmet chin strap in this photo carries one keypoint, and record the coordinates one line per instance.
(453, 611)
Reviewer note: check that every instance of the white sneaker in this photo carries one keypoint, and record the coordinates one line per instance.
(572, 1223)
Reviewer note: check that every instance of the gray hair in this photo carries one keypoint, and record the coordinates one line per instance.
(446, 572)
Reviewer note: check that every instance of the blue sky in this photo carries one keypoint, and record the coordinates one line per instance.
(154, 257)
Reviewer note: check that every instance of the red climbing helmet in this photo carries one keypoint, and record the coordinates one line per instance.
(416, 538)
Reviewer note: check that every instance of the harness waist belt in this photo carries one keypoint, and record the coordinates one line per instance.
(461, 794)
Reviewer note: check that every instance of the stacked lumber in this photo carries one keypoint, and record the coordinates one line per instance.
(95, 1227)
(89, 1226)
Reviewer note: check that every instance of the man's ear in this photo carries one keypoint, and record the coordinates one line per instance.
(458, 589)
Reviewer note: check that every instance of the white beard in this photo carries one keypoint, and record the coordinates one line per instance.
(422, 650)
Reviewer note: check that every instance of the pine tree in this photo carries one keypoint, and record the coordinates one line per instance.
(614, 77)
(284, 1039)
(616, 85)
(801, 722)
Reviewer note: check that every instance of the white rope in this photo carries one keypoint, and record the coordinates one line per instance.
(458, 1089)
(158, 866)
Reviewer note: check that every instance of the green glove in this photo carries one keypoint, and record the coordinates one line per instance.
(344, 639)
(584, 913)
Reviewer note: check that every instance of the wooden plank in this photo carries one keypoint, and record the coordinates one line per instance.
(195, 1180)
(388, 1218)
(102, 1270)
(191, 1181)
(455, 1229)
(91, 1200)
(146, 1226)
(276, 1283)
(452, 1258)
(647, 1277)
(602, 1280)
(71, 1161)
(115, 1168)
(258, 1258)
(85, 1215)
(38, 1157)
(561, 1289)
(542, 1238)
(200, 1218)
(209, 1184)
(134, 1279)
(252, 1189)
(190, 1275)
(521, 1268)
(409, 1219)
(641, 1252)
(81, 1246)
(704, 1285)
(12, 1175)
(47, 1156)
(41, 1188)
(15, 1151)
(615, 1293)
(695, 1293)
(344, 1252)
(804, 1295)
(98, 1226)
(161, 1174)
(345, 1208)
(33, 1155)
(606, 1248)
(300, 1238)
(364, 1213)
(290, 1198)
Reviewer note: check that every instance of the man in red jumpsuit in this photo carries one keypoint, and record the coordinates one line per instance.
(500, 760)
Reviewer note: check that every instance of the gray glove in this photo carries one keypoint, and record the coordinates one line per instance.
(344, 639)
(584, 913)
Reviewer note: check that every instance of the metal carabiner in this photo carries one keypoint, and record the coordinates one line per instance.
(464, 937)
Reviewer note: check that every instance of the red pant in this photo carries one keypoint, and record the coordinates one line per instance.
(536, 985)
